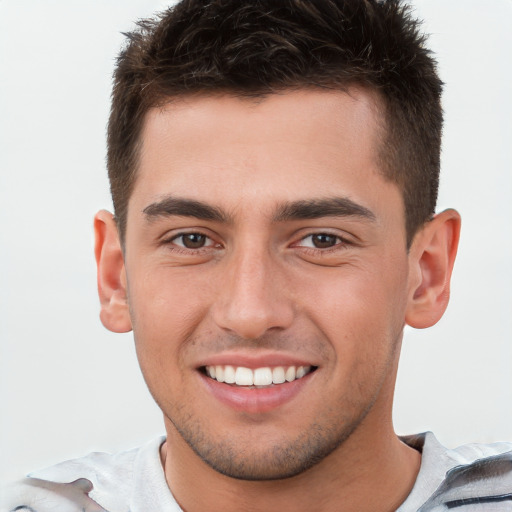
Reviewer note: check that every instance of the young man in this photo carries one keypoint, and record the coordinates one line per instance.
(274, 171)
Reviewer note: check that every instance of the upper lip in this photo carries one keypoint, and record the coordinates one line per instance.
(268, 359)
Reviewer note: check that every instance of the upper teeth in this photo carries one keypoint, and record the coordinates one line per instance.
(265, 376)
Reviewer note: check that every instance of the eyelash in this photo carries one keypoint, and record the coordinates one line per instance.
(181, 249)
(340, 245)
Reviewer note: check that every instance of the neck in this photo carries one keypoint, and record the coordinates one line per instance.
(363, 474)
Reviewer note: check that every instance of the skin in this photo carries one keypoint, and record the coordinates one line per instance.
(262, 290)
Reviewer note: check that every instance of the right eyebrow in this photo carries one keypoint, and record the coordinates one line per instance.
(177, 206)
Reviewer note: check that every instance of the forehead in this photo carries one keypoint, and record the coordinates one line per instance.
(287, 146)
(320, 117)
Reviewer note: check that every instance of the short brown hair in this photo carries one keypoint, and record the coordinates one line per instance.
(258, 47)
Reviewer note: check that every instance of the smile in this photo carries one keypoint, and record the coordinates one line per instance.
(258, 377)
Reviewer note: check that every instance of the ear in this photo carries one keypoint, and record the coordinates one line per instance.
(114, 314)
(431, 260)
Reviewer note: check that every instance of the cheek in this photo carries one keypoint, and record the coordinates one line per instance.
(165, 308)
(360, 310)
(167, 297)
(163, 320)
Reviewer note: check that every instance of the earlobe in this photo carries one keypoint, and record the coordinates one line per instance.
(114, 313)
(431, 260)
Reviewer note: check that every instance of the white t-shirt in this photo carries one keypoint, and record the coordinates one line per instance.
(134, 481)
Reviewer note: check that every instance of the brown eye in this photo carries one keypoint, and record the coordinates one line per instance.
(324, 240)
(191, 240)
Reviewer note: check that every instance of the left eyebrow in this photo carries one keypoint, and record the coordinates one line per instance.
(318, 208)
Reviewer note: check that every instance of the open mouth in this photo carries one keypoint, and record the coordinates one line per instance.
(257, 377)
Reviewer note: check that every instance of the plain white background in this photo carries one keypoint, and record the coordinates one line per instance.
(68, 386)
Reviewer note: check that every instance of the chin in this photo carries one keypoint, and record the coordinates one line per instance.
(279, 459)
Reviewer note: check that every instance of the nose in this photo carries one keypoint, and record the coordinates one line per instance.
(253, 296)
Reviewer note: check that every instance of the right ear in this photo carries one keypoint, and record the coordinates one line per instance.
(114, 314)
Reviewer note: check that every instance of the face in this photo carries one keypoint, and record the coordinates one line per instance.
(267, 277)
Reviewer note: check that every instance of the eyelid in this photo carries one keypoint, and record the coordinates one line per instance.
(340, 241)
(343, 237)
(170, 237)
(181, 235)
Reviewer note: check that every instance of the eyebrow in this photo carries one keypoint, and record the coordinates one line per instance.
(170, 206)
(288, 211)
(318, 208)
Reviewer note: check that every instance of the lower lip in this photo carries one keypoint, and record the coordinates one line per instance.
(255, 400)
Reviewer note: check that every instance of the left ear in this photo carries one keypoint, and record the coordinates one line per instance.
(431, 258)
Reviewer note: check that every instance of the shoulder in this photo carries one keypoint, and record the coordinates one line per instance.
(113, 472)
(115, 478)
(473, 477)
(35, 495)
(484, 483)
